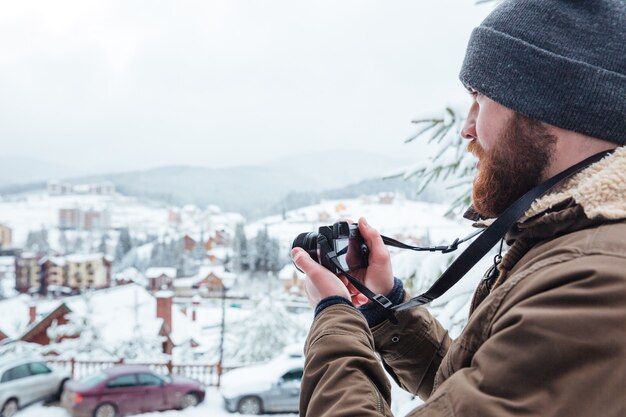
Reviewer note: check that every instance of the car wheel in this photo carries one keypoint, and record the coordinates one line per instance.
(250, 405)
(189, 400)
(9, 409)
(58, 395)
(105, 410)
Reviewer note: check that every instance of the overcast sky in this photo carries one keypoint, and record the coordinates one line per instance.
(126, 84)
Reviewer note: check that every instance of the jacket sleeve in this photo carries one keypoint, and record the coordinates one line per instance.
(413, 349)
(555, 347)
(342, 373)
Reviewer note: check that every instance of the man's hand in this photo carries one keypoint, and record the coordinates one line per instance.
(320, 283)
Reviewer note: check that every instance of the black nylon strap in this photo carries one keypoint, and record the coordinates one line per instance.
(444, 249)
(377, 298)
(496, 231)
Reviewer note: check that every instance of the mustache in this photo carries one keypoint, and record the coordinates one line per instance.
(475, 148)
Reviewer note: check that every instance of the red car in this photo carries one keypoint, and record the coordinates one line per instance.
(129, 389)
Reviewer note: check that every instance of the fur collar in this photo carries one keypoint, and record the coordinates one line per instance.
(600, 190)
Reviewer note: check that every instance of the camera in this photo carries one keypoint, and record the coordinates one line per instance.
(341, 241)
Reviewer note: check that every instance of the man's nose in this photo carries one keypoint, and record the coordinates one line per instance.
(469, 128)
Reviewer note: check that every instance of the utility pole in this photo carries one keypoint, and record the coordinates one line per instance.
(223, 327)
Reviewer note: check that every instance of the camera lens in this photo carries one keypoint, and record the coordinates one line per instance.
(308, 242)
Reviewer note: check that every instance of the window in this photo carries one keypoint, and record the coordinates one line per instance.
(18, 372)
(123, 381)
(38, 368)
(149, 380)
(293, 375)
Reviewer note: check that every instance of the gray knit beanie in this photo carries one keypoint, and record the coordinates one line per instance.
(562, 62)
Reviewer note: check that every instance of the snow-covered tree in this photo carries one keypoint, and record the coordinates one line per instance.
(37, 240)
(102, 246)
(80, 336)
(266, 254)
(263, 334)
(63, 243)
(451, 165)
(124, 244)
(240, 249)
(199, 253)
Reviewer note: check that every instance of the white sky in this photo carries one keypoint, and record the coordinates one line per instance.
(118, 84)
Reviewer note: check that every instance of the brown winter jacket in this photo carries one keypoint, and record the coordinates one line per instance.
(547, 338)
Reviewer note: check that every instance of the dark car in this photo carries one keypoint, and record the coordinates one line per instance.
(129, 389)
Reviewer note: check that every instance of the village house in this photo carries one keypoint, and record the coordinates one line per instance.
(84, 219)
(35, 273)
(27, 276)
(292, 280)
(65, 188)
(159, 278)
(6, 239)
(122, 314)
(210, 281)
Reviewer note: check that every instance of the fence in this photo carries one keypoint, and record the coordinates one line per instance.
(209, 375)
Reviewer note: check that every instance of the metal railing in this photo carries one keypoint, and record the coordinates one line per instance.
(209, 375)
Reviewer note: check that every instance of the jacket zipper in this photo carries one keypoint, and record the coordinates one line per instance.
(379, 399)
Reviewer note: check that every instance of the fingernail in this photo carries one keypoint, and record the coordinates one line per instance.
(364, 222)
(294, 254)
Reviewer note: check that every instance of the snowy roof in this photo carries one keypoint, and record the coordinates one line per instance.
(81, 258)
(157, 272)
(127, 311)
(228, 278)
(131, 274)
(56, 260)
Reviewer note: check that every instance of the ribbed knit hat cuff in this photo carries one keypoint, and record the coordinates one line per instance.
(545, 86)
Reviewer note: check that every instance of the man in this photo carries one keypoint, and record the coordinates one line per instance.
(547, 335)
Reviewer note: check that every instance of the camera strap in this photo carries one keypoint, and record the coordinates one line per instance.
(488, 239)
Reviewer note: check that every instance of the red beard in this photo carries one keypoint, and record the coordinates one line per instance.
(515, 164)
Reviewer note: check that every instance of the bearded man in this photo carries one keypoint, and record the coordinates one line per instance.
(546, 336)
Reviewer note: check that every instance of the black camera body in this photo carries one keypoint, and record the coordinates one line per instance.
(341, 241)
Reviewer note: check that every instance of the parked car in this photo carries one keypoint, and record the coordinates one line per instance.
(129, 389)
(271, 387)
(26, 380)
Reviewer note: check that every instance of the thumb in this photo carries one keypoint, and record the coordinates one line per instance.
(378, 250)
(304, 261)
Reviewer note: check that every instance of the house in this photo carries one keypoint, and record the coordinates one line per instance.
(34, 273)
(386, 198)
(76, 271)
(130, 275)
(189, 243)
(210, 281)
(65, 188)
(158, 278)
(84, 219)
(121, 314)
(6, 239)
(27, 275)
(292, 280)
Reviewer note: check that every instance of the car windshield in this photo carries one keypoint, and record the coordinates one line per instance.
(93, 380)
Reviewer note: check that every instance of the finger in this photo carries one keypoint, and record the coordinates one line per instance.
(304, 261)
(378, 251)
(359, 300)
(325, 283)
